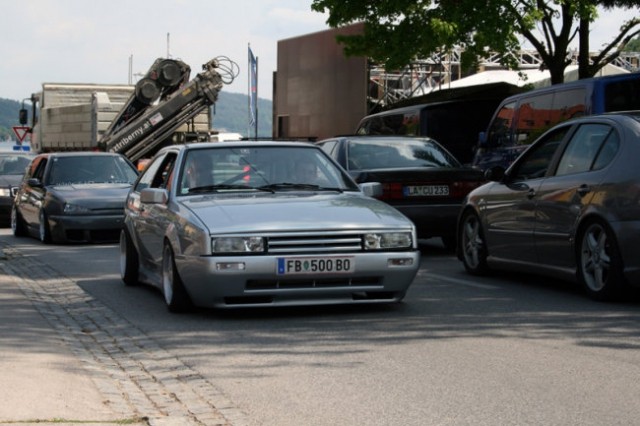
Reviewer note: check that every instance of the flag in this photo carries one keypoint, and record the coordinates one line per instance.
(253, 88)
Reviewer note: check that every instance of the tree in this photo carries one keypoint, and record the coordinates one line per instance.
(398, 31)
(633, 45)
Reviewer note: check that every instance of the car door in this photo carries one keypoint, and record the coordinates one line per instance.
(152, 218)
(564, 195)
(509, 208)
(32, 196)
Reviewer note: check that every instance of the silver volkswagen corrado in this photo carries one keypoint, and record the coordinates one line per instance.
(254, 224)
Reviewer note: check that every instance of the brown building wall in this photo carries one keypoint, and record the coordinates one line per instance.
(318, 92)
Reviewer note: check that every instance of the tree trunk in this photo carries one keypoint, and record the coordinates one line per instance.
(556, 69)
(583, 52)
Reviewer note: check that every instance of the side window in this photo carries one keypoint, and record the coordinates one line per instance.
(38, 171)
(149, 174)
(536, 160)
(582, 149)
(499, 133)
(608, 150)
(622, 95)
(568, 104)
(534, 118)
(410, 124)
(329, 147)
(162, 178)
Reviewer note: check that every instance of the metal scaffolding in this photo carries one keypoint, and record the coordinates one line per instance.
(426, 75)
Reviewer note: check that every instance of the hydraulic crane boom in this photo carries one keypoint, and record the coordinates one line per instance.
(151, 125)
(164, 77)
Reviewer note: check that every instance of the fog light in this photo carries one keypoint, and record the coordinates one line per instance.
(230, 266)
(402, 261)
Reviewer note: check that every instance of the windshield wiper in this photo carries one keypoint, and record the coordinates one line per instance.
(209, 188)
(303, 186)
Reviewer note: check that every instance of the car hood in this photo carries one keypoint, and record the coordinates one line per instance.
(10, 180)
(93, 194)
(280, 212)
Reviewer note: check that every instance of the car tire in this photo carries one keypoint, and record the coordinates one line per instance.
(599, 263)
(472, 244)
(175, 295)
(129, 261)
(18, 226)
(44, 232)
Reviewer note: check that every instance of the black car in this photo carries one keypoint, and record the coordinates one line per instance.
(419, 177)
(568, 207)
(12, 168)
(73, 197)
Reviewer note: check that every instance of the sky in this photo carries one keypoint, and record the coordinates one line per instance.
(80, 41)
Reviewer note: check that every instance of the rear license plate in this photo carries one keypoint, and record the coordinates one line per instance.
(426, 190)
(315, 265)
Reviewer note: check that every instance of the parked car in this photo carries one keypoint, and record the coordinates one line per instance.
(12, 168)
(256, 224)
(568, 207)
(73, 197)
(419, 177)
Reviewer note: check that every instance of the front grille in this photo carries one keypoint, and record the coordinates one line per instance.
(301, 283)
(314, 243)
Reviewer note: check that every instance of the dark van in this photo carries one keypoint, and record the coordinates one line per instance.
(521, 118)
(455, 124)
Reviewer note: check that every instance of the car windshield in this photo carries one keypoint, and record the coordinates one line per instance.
(261, 168)
(90, 169)
(13, 164)
(370, 154)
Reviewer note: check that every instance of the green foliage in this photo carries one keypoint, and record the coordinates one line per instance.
(633, 45)
(231, 114)
(398, 31)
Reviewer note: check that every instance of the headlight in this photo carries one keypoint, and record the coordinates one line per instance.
(237, 245)
(5, 192)
(75, 209)
(387, 240)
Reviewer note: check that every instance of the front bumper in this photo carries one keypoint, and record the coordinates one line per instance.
(86, 228)
(377, 278)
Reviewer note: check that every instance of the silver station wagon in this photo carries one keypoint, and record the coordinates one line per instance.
(256, 224)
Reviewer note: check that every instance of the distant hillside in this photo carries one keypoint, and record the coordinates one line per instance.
(230, 115)
(8, 117)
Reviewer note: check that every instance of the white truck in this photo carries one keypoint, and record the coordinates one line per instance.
(72, 117)
(163, 107)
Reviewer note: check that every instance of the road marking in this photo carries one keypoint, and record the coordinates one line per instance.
(463, 282)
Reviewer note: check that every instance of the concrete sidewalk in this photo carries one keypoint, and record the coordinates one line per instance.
(41, 381)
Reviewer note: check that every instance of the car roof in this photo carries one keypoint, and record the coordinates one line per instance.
(379, 138)
(239, 144)
(615, 115)
(79, 154)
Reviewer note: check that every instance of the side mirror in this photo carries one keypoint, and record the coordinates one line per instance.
(23, 116)
(154, 196)
(371, 189)
(495, 174)
(34, 183)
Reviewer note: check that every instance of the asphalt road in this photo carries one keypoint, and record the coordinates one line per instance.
(503, 350)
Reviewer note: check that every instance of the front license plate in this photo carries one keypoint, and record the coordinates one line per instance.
(315, 265)
(426, 190)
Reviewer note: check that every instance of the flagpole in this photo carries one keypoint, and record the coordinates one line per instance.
(249, 90)
(256, 121)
